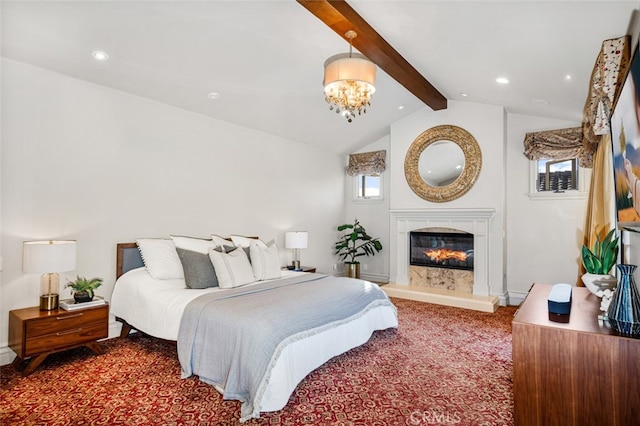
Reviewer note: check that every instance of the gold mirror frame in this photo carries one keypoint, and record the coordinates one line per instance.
(464, 182)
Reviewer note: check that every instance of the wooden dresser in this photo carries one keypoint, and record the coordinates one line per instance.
(37, 334)
(576, 373)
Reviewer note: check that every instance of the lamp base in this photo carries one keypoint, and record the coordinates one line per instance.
(296, 265)
(49, 302)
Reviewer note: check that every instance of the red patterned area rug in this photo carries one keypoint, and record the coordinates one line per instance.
(442, 366)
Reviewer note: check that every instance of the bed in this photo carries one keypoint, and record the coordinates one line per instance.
(254, 342)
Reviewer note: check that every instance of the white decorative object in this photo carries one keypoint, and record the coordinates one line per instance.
(601, 286)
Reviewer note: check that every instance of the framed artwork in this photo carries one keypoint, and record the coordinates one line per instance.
(625, 138)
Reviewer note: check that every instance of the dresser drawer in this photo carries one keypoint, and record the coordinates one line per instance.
(65, 321)
(66, 338)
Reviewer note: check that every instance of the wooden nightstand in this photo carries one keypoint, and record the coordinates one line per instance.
(303, 268)
(37, 334)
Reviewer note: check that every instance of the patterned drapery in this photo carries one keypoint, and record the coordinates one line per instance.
(605, 85)
(561, 144)
(367, 163)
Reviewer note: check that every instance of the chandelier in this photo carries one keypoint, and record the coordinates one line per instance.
(349, 80)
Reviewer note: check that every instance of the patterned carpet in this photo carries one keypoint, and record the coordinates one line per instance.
(442, 366)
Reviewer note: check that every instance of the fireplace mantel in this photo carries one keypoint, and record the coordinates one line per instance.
(476, 221)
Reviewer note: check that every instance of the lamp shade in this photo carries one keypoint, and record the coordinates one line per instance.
(346, 66)
(295, 240)
(39, 257)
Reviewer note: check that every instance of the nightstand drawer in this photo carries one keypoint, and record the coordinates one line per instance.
(68, 337)
(65, 321)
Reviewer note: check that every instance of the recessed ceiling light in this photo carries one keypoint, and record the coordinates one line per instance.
(213, 95)
(568, 77)
(400, 107)
(502, 80)
(464, 95)
(99, 55)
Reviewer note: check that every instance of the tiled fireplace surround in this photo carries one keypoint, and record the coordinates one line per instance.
(474, 221)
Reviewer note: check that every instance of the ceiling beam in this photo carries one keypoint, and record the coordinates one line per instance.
(340, 17)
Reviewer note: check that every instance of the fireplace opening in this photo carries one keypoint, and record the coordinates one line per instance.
(441, 249)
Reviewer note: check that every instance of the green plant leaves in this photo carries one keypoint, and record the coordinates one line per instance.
(357, 243)
(603, 256)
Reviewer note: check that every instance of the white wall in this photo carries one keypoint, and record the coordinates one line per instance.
(544, 237)
(487, 124)
(84, 162)
(374, 216)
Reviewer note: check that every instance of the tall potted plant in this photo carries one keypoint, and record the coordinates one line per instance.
(353, 243)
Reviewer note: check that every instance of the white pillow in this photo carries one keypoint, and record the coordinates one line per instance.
(160, 258)
(233, 269)
(219, 241)
(241, 241)
(198, 245)
(265, 260)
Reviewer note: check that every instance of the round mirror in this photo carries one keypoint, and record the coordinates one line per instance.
(442, 163)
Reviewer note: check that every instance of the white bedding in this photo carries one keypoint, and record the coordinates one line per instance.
(156, 307)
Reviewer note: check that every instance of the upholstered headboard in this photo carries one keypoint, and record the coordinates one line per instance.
(127, 258)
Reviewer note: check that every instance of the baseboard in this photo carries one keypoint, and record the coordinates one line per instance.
(375, 278)
(517, 297)
(6, 355)
(114, 328)
(380, 279)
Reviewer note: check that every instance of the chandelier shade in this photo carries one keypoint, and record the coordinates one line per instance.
(349, 82)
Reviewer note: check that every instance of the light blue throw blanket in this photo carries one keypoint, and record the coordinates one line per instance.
(232, 339)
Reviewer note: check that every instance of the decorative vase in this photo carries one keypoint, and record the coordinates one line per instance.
(352, 269)
(601, 286)
(82, 297)
(624, 310)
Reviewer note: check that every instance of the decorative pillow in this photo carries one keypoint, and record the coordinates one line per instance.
(160, 258)
(225, 248)
(220, 241)
(232, 269)
(198, 269)
(265, 260)
(241, 241)
(199, 245)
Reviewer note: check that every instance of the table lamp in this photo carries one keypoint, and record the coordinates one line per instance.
(48, 258)
(296, 240)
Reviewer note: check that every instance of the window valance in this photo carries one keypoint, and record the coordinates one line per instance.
(561, 144)
(367, 163)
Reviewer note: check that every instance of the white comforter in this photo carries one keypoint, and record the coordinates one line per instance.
(155, 307)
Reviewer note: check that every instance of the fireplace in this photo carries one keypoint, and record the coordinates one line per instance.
(449, 250)
(487, 252)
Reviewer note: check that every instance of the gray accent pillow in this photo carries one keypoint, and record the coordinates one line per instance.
(198, 269)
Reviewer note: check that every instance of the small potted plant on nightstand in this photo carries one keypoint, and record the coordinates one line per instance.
(83, 288)
(355, 242)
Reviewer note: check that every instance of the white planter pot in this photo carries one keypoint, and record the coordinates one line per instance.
(602, 286)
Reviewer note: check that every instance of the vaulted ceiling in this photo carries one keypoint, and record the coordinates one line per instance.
(265, 58)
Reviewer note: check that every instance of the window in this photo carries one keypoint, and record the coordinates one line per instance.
(367, 169)
(557, 175)
(367, 187)
(557, 179)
